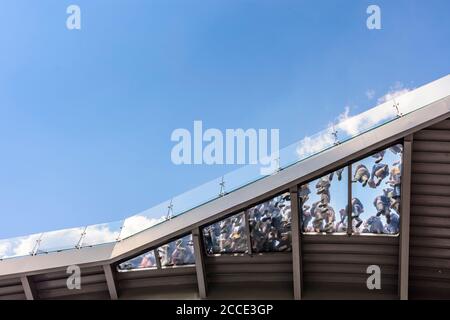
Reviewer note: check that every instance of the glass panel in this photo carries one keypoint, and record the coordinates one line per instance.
(270, 225)
(195, 197)
(60, 240)
(226, 236)
(376, 192)
(18, 247)
(353, 126)
(243, 176)
(177, 253)
(144, 261)
(314, 144)
(423, 96)
(102, 233)
(324, 203)
(145, 220)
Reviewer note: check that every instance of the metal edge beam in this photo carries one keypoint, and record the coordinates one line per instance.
(349, 200)
(403, 272)
(111, 281)
(200, 266)
(248, 233)
(56, 261)
(157, 258)
(29, 288)
(296, 243)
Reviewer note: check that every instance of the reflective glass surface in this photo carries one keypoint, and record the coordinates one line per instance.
(226, 236)
(19, 246)
(60, 240)
(376, 192)
(143, 261)
(102, 233)
(270, 225)
(324, 202)
(177, 253)
(146, 219)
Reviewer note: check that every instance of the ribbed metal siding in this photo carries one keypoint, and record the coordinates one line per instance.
(11, 289)
(429, 276)
(271, 267)
(335, 267)
(54, 285)
(166, 277)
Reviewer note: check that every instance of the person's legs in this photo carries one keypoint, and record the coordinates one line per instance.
(339, 174)
(358, 220)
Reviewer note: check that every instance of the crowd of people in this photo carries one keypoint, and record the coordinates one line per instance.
(269, 226)
(269, 223)
(175, 253)
(226, 236)
(320, 216)
(144, 261)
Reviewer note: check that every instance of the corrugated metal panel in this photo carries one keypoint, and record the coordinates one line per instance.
(336, 266)
(11, 289)
(269, 267)
(53, 285)
(15, 296)
(429, 276)
(443, 125)
(165, 277)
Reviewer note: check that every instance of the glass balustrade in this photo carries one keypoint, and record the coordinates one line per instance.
(335, 134)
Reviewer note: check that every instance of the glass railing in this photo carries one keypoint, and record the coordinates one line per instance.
(19, 246)
(335, 134)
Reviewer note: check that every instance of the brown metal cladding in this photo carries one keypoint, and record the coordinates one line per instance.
(337, 266)
(430, 213)
(11, 289)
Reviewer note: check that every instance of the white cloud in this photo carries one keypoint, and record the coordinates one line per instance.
(395, 91)
(138, 223)
(348, 126)
(344, 115)
(57, 240)
(23, 246)
(353, 125)
(101, 233)
(370, 94)
(69, 238)
(5, 247)
(310, 145)
(50, 241)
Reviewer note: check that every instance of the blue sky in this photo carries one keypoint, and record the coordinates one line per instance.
(86, 116)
